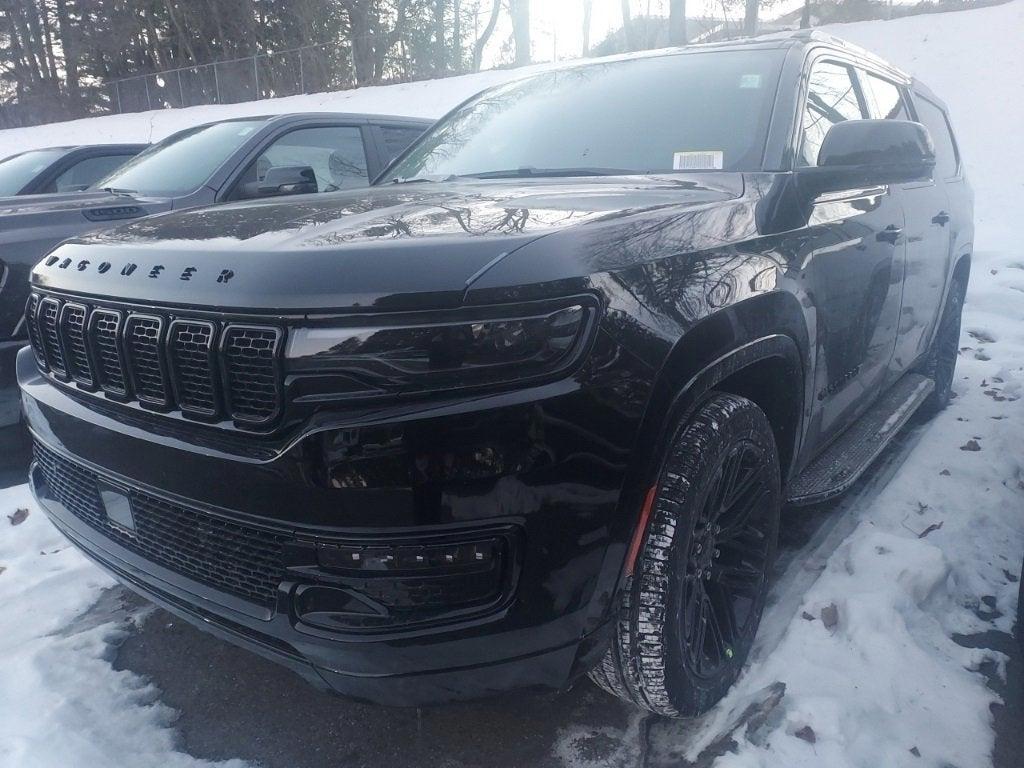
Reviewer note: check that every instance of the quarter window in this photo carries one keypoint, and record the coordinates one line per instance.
(887, 103)
(396, 139)
(831, 98)
(935, 120)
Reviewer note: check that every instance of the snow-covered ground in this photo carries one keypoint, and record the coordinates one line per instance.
(860, 633)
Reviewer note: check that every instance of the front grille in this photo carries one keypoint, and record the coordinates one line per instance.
(241, 560)
(203, 369)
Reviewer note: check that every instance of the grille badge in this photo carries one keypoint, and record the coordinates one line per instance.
(117, 505)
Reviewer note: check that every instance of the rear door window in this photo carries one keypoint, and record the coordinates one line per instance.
(935, 120)
(832, 98)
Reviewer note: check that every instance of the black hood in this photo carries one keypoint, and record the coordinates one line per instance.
(366, 248)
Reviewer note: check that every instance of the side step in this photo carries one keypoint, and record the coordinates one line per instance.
(852, 452)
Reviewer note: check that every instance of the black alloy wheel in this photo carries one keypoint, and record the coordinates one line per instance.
(690, 609)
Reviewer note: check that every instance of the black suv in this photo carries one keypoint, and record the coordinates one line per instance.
(530, 406)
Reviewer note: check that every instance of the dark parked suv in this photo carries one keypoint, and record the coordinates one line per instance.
(530, 406)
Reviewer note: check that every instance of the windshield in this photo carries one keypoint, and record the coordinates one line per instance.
(17, 171)
(698, 111)
(180, 163)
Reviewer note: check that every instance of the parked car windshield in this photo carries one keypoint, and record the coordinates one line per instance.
(696, 111)
(180, 163)
(17, 171)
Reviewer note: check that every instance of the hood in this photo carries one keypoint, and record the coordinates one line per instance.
(389, 247)
(87, 207)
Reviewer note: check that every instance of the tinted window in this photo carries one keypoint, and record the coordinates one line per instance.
(934, 119)
(183, 162)
(885, 100)
(691, 111)
(831, 98)
(335, 153)
(17, 171)
(397, 139)
(86, 173)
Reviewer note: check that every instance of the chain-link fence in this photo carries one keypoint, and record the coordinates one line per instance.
(311, 69)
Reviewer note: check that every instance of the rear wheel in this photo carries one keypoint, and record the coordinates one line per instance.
(940, 365)
(691, 608)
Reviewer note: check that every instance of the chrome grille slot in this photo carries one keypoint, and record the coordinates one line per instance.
(251, 367)
(32, 323)
(143, 343)
(193, 370)
(48, 315)
(104, 333)
(72, 326)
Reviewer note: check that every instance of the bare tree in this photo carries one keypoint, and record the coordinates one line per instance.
(485, 36)
(627, 26)
(588, 8)
(677, 22)
(520, 12)
(750, 18)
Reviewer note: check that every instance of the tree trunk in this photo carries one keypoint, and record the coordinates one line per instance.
(439, 46)
(750, 18)
(805, 15)
(627, 26)
(677, 22)
(69, 44)
(520, 10)
(481, 43)
(588, 8)
(457, 37)
(362, 41)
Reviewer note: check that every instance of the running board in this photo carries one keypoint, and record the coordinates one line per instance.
(851, 453)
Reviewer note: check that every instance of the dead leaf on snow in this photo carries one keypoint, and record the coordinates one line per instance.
(18, 517)
(929, 529)
(830, 615)
(945, 472)
(970, 445)
(3, 568)
(915, 751)
(806, 616)
(807, 734)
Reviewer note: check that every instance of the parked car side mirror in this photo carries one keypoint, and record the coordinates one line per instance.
(287, 180)
(865, 153)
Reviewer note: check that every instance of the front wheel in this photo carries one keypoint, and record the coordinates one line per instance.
(691, 608)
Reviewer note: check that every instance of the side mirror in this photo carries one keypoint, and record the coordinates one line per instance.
(866, 153)
(287, 180)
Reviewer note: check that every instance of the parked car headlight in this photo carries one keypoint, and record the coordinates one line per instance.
(495, 346)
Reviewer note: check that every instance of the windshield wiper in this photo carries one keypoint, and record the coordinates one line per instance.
(119, 192)
(530, 172)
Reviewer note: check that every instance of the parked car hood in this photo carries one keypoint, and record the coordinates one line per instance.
(385, 247)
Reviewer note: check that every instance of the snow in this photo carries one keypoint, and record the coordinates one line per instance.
(885, 679)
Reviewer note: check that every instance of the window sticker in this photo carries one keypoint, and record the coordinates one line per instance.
(750, 81)
(707, 160)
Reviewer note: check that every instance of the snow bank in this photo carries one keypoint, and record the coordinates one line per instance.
(61, 702)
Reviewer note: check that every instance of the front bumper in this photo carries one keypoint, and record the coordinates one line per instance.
(561, 500)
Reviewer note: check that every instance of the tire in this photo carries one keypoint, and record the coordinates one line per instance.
(686, 564)
(940, 365)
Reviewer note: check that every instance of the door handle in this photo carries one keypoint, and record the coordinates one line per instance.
(940, 218)
(890, 234)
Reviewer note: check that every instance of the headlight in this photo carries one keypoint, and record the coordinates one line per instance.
(493, 346)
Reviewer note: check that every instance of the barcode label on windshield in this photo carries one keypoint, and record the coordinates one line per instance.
(709, 160)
